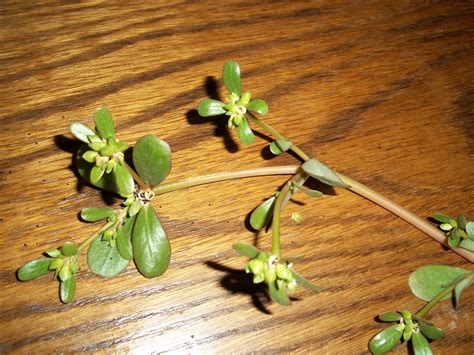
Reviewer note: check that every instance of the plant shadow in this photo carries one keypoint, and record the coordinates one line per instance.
(236, 281)
(220, 122)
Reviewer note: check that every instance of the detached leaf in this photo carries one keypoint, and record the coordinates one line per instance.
(152, 159)
(67, 289)
(210, 107)
(124, 238)
(420, 344)
(104, 259)
(321, 172)
(33, 269)
(390, 317)
(300, 280)
(259, 106)
(386, 340)
(81, 131)
(231, 76)
(279, 146)
(245, 133)
(460, 287)
(246, 250)
(104, 124)
(279, 294)
(262, 214)
(429, 280)
(95, 214)
(151, 248)
(430, 331)
(441, 218)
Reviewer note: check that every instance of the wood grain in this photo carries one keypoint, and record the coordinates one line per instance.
(381, 91)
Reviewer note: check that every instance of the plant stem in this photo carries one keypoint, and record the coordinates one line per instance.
(439, 297)
(206, 179)
(298, 151)
(89, 240)
(137, 178)
(377, 198)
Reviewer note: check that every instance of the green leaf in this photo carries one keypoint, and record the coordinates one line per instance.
(279, 146)
(104, 259)
(245, 133)
(210, 107)
(470, 229)
(390, 317)
(454, 238)
(69, 249)
(124, 238)
(67, 289)
(104, 123)
(33, 269)
(120, 181)
(231, 76)
(259, 106)
(321, 172)
(151, 248)
(81, 131)
(462, 222)
(278, 294)
(429, 280)
(309, 192)
(152, 159)
(441, 218)
(246, 250)
(95, 214)
(420, 344)
(300, 280)
(460, 287)
(96, 174)
(262, 214)
(430, 331)
(467, 244)
(386, 340)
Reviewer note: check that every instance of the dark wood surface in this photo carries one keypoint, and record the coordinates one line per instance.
(381, 91)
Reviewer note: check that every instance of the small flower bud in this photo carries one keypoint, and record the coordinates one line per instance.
(446, 226)
(90, 156)
(56, 263)
(270, 275)
(256, 266)
(258, 278)
(282, 272)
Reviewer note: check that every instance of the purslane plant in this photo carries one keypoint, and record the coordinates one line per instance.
(133, 231)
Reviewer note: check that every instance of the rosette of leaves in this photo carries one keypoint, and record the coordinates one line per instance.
(64, 262)
(100, 161)
(407, 327)
(135, 232)
(460, 232)
(237, 104)
(276, 272)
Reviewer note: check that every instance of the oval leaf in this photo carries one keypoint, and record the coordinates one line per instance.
(95, 214)
(210, 107)
(429, 280)
(152, 159)
(279, 146)
(124, 238)
(321, 172)
(246, 250)
(104, 124)
(420, 344)
(441, 218)
(300, 280)
(430, 331)
(81, 131)
(467, 244)
(120, 181)
(390, 317)
(244, 132)
(470, 229)
(151, 248)
(231, 76)
(261, 215)
(386, 339)
(279, 294)
(67, 289)
(69, 249)
(104, 259)
(33, 269)
(259, 106)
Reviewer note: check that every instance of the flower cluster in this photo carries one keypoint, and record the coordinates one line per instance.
(460, 232)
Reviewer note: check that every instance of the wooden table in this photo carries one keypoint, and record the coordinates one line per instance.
(380, 91)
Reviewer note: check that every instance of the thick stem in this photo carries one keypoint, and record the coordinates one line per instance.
(404, 214)
(206, 179)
